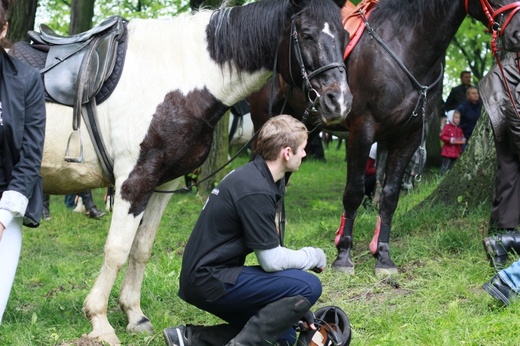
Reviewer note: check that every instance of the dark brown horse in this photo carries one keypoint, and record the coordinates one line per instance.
(179, 78)
(394, 74)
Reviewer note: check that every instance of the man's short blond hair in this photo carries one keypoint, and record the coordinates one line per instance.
(277, 133)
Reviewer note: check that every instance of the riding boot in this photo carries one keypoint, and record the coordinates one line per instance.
(343, 243)
(217, 335)
(268, 324)
(498, 247)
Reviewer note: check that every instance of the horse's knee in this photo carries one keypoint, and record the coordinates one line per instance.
(116, 257)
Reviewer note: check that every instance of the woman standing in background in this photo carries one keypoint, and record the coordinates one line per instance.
(22, 132)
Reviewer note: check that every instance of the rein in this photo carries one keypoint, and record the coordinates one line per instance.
(497, 30)
(422, 90)
(494, 26)
(216, 171)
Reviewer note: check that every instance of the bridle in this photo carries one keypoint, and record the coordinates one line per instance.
(497, 30)
(495, 27)
(420, 106)
(312, 94)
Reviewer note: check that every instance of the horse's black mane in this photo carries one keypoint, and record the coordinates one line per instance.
(409, 11)
(241, 34)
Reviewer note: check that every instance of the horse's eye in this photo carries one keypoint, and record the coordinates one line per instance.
(307, 36)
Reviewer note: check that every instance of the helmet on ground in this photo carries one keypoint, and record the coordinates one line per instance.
(333, 329)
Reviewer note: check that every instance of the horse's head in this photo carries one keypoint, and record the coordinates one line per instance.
(310, 57)
(501, 18)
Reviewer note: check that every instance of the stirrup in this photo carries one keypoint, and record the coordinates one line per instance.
(69, 158)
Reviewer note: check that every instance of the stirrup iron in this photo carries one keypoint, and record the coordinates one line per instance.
(69, 158)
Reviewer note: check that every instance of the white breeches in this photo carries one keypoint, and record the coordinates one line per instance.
(10, 246)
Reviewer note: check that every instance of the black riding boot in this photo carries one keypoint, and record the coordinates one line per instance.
(189, 335)
(271, 322)
(498, 247)
(213, 335)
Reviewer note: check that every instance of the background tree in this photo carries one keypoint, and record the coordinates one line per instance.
(81, 14)
(21, 20)
(219, 152)
(471, 181)
(470, 50)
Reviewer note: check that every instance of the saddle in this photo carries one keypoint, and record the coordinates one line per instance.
(77, 66)
(353, 21)
(79, 71)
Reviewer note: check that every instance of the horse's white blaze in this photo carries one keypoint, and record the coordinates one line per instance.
(326, 30)
(342, 102)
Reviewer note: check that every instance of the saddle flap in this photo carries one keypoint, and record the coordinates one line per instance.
(78, 70)
(60, 82)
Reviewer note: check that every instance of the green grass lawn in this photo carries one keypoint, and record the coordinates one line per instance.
(436, 299)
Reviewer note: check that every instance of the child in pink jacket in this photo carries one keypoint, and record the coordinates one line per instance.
(452, 138)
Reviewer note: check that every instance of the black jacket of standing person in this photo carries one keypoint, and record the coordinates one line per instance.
(23, 122)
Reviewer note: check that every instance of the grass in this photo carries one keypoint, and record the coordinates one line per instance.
(436, 299)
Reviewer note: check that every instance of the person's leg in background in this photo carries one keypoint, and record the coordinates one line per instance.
(46, 213)
(505, 285)
(92, 211)
(69, 201)
(503, 236)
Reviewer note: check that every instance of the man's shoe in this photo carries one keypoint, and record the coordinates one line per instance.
(95, 213)
(177, 336)
(496, 252)
(497, 231)
(499, 290)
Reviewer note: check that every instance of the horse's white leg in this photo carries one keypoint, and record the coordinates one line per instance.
(130, 297)
(121, 234)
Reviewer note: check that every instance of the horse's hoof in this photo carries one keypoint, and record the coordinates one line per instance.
(343, 264)
(143, 326)
(108, 338)
(344, 270)
(386, 271)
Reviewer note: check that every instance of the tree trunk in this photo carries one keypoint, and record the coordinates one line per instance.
(471, 181)
(433, 146)
(21, 20)
(217, 157)
(219, 149)
(81, 15)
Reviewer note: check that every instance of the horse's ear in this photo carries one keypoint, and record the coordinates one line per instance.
(300, 3)
(340, 3)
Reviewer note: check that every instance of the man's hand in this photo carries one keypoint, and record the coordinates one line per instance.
(307, 321)
(322, 261)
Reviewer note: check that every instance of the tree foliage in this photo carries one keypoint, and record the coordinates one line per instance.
(470, 50)
(56, 13)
